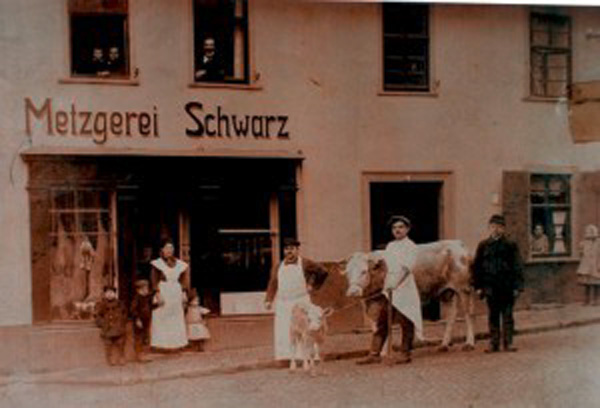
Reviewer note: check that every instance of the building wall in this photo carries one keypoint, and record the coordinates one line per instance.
(320, 64)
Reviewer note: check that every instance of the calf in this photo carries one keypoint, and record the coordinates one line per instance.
(307, 333)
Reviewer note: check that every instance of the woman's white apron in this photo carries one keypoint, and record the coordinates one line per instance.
(168, 328)
(291, 289)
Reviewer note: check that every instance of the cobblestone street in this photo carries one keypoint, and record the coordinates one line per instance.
(553, 369)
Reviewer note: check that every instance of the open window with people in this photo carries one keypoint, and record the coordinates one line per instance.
(221, 41)
(539, 210)
(99, 38)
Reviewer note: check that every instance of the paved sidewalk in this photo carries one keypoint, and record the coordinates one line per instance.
(339, 346)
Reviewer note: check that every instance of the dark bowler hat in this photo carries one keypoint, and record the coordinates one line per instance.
(399, 218)
(497, 219)
(290, 242)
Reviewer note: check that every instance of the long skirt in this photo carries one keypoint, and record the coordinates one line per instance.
(283, 315)
(168, 323)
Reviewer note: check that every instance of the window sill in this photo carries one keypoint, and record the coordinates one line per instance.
(225, 85)
(100, 81)
(558, 259)
(427, 94)
(559, 99)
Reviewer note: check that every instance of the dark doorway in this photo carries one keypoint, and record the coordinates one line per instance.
(420, 202)
(145, 220)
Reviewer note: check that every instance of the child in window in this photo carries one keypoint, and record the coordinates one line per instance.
(111, 317)
(197, 331)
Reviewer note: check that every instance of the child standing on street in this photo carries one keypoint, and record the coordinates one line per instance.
(588, 272)
(111, 317)
(141, 313)
(197, 331)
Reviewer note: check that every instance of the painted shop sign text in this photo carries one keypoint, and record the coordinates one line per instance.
(221, 124)
(97, 125)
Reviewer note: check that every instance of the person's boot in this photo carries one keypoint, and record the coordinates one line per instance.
(492, 348)
(371, 359)
(404, 358)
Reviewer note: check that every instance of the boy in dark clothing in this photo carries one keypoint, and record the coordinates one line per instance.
(111, 317)
(497, 277)
(141, 313)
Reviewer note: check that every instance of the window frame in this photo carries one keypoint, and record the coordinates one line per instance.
(248, 82)
(544, 51)
(430, 88)
(132, 72)
(551, 208)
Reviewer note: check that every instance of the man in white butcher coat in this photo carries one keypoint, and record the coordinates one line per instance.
(400, 256)
(290, 283)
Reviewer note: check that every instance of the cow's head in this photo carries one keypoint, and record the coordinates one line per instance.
(358, 271)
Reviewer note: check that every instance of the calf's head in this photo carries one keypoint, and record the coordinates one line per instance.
(316, 316)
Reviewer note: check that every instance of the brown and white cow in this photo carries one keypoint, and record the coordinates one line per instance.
(307, 334)
(442, 270)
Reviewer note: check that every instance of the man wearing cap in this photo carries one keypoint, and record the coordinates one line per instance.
(290, 283)
(497, 277)
(400, 256)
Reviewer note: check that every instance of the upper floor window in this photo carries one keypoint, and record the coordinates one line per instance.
(99, 38)
(550, 42)
(406, 47)
(221, 41)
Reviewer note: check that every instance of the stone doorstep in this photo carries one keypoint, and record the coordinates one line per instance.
(137, 375)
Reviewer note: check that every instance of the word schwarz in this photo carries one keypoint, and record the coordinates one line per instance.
(224, 125)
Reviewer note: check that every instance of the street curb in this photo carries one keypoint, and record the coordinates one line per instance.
(263, 365)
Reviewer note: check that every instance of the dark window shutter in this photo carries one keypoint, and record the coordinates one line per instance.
(515, 205)
(587, 199)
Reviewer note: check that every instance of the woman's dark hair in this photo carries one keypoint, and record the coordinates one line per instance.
(166, 241)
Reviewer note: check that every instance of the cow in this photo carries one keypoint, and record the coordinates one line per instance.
(307, 334)
(442, 271)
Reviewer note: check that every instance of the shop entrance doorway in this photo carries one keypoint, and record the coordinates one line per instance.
(421, 203)
(226, 220)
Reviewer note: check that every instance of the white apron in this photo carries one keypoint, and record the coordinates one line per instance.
(168, 330)
(405, 298)
(291, 289)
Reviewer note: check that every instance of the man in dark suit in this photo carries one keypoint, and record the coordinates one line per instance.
(210, 64)
(497, 277)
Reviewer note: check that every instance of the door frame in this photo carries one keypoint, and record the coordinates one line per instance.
(445, 206)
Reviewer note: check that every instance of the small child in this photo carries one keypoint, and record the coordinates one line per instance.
(197, 331)
(111, 317)
(141, 313)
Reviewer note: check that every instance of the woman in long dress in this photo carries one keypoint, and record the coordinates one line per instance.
(170, 280)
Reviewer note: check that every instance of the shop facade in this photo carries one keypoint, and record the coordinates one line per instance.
(348, 114)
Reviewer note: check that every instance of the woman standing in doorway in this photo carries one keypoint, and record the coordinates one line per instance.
(170, 280)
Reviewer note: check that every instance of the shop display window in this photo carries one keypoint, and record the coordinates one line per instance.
(80, 251)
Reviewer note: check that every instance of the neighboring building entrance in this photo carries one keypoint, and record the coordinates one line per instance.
(421, 203)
